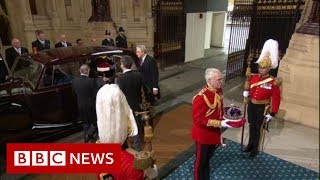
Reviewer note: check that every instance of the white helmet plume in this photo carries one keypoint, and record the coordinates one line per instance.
(270, 48)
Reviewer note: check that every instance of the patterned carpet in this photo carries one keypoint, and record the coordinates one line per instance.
(230, 163)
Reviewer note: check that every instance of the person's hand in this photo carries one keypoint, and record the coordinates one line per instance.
(246, 94)
(151, 172)
(105, 79)
(224, 124)
(269, 118)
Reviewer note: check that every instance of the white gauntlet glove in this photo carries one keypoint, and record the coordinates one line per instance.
(269, 118)
(224, 124)
(246, 94)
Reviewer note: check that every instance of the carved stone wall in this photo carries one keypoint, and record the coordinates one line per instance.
(71, 17)
(299, 69)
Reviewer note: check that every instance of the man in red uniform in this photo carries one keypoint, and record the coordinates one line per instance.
(207, 113)
(264, 89)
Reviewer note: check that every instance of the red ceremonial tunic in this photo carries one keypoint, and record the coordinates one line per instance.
(265, 92)
(207, 105)
(127, 172)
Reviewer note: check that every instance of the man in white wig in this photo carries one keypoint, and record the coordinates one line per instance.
(115, 123)
(264, 93)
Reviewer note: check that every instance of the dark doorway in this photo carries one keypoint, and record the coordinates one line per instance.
(169, 32)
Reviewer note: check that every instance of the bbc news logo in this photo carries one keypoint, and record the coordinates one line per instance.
(63, 158)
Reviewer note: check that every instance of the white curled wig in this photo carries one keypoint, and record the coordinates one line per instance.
(114, 117)
(270, 46)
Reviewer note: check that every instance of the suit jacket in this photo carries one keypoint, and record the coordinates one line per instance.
(40, 46)
(59, 44)
(11, 55)
(85, 89)
(3, 70)
(121, 41)
(131, 83)
(107, 42)
(149, 72)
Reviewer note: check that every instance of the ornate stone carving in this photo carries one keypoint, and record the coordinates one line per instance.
(100, 11)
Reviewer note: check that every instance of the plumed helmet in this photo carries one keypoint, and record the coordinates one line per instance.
(269, 55)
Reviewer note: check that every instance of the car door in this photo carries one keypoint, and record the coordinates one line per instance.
(54, 104)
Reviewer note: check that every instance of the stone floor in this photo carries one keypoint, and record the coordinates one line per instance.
(292, 142)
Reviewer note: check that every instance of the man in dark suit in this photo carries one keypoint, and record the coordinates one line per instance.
(131, 84)
(121, 40)
(79, 42)
(63, 42)
(14, 51)
(3, 70)
(41, 43)
(108, 41)
(85, 89)
(149, 71)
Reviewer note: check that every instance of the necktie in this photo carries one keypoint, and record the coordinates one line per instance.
(18, 50)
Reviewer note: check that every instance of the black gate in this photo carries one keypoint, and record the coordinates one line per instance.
(269, 19)
(169, 32)
(239, 33)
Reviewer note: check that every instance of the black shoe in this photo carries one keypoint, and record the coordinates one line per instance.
(247, 149)
(254, 153)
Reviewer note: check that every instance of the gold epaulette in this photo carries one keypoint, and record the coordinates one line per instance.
(203, 90)
(277, 81)
(200, 93)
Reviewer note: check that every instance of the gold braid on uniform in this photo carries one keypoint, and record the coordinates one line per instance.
(212, 107)
(214, 123)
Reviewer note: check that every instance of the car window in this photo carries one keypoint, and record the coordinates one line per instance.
(59, 74)
(27, 70)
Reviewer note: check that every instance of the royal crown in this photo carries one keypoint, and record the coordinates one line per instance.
(232, 112)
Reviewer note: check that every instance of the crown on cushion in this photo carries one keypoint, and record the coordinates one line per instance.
(232, 112)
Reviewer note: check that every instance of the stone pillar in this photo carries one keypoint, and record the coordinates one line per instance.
(150, 26)
(123, 14)
(21, 21)
(299, 69)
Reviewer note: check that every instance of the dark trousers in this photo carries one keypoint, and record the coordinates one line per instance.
(136, 140)
(90, 132)
(89, 123)
(204, 152)
(255, 119)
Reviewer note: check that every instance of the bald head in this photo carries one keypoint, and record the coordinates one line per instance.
(15, 42)
(84, 69)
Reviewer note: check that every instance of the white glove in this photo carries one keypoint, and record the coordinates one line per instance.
(224, 124)
(246, 94)
(151, 173)
(269, 118)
